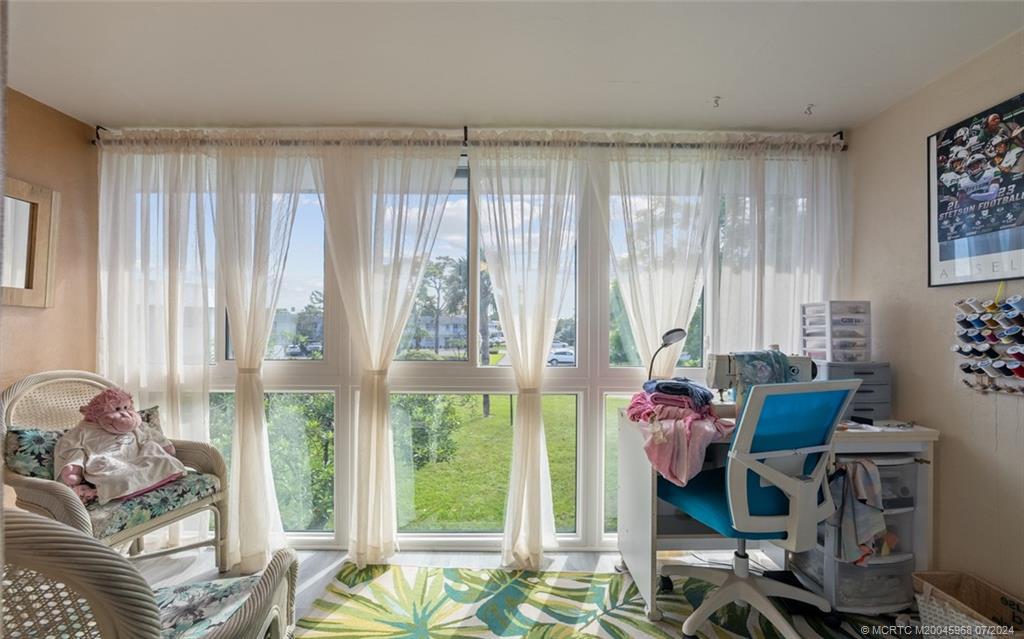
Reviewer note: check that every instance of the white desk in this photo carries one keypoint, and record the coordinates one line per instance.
(647, 525)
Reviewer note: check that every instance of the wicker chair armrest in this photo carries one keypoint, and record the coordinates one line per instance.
(203, 457)
(247, 620)
(51, 499)
(119, 598)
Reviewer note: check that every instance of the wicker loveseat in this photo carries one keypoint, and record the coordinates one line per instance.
(60, 582)
(34, 410)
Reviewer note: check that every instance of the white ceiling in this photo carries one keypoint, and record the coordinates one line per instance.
(630, 64)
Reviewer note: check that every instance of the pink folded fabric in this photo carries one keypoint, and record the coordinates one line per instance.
(664, 399)
(664, 411)
(676, 447)
(640, 408)
(676, 437)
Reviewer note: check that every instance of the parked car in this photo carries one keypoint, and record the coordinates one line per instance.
(555, 345)
(314, 347)
(562, 357)
(293, 350)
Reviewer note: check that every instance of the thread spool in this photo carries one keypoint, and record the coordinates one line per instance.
(1013, 335)
(961, 334)
(963, 306)
(1003, 321)
(983, 350)
(1004, 336)
(1017, 302)
(968, 367)
(989, 336)
(990, 320)
(1016, 368)
(1015, 317)
(961, 319)
(986, 367)
(990, 306)
(1004, 306)
(999, 366)
(1016, 353)
(975, 306)
(975, 335)
(975, 320)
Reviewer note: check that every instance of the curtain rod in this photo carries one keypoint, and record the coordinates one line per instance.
(465, 142)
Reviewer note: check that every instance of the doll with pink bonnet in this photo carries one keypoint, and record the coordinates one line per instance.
(111, 455)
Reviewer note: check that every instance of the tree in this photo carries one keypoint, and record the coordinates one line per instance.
(486, 304)
(301, 433)
(435, 280)
(565, 330)
(622, 350)
(432, 421)
(456, 298)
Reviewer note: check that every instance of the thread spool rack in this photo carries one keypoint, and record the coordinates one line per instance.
(989, 344)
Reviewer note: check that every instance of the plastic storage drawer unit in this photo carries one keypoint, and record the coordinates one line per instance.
(884, 585)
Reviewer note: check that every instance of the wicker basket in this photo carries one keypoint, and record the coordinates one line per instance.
(960, 599)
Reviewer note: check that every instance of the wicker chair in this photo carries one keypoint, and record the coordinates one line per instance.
(60, 582)
(49, 402)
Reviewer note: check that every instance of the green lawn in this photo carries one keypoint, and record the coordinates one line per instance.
(467, 493)
(612, 404)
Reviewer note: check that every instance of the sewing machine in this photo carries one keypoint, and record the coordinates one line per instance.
(722, 371)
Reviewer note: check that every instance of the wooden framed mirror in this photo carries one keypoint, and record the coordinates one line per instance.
(29, 251)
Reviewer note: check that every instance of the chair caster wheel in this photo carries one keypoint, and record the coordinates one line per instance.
(665, 584)
(832, 620)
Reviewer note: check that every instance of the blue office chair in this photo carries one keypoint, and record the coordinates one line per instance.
(773, 487)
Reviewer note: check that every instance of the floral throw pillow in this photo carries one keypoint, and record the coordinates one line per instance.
(29, 451)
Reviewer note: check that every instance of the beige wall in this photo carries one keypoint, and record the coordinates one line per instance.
(49, 148)
(980, 458)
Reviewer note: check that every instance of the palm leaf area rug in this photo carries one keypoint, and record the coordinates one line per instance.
(399, 602)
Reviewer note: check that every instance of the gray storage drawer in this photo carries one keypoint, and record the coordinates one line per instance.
(870, 372)
(873, 394)
(870, 411)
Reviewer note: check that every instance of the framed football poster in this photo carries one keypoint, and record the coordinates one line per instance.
(976, 197)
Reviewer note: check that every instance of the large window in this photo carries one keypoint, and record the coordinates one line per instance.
(301, 431)
(453, 391)
(453, 453)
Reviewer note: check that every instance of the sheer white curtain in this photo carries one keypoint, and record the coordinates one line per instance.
(528, 199)
(384, 197)
(783, 239)
(154, 294)
(658, 226)
(257, 192)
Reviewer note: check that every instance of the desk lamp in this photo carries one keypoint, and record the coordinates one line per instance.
(670, 337)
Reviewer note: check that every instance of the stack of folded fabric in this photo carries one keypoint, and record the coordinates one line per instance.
(679, 423)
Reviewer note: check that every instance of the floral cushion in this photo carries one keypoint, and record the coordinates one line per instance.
(29, 451)
(193, 610)
(115, 516)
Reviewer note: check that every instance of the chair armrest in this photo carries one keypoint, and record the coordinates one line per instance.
(120, 600)
(249, 619)
(51, 499)
(202, 457)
